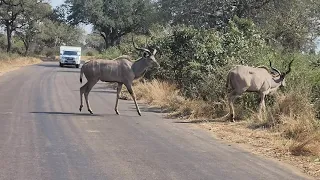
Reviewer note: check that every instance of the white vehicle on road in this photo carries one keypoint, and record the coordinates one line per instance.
(70, 55)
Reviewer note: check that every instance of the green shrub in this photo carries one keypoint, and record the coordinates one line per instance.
(89, 53)
(49, 53)
(8, 56)
(110, 53)
(199, 59)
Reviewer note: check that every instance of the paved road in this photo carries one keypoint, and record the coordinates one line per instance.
(43, 136)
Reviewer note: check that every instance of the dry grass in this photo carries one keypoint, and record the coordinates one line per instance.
(288, 131)
(167, 96)
(294, 118)
(8, 64)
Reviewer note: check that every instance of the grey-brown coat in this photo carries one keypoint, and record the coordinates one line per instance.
(242, 79)
(121, 70)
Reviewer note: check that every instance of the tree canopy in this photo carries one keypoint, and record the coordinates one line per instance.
(37, 26)
(111, 19)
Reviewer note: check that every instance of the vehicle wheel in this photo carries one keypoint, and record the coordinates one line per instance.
(77, 65)
(61, 65)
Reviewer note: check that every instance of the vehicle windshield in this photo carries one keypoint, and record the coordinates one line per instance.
(72, 53)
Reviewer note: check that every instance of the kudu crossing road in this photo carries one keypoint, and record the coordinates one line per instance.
(43, 136)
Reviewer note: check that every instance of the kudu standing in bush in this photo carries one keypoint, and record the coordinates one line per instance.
(254, 79)
(121, 70)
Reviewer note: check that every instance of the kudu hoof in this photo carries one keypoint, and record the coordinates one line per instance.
(117, 112)
(80, 108)
(90, 111)
(139, 113)
(232, 118)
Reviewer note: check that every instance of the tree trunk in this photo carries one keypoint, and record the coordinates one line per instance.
(111, 38)
(26, 45)
(106, 41)
(9, 33)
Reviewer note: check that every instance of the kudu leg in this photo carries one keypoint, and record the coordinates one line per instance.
(129, 87)
(87, 91)
(262, 106)
(118, 94)
(82, 90)
(232, 96)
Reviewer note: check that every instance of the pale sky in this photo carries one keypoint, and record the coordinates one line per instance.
(318, 47)
(55, 3)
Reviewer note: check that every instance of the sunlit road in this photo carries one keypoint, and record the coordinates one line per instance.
(44, 136)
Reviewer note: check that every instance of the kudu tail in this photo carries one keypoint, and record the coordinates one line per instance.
(81, 74)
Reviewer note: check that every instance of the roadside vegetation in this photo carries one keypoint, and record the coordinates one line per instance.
(11, 62)
(198, 43)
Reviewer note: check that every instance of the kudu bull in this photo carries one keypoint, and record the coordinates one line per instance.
(254, 79)
(121, 70)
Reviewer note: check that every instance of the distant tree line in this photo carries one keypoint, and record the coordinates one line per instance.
(33, 26)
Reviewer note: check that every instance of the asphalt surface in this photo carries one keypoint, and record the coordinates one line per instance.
(44, 136)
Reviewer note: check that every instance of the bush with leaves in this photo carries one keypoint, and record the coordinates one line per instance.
(199, 59)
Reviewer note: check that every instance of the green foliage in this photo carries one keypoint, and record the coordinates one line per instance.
(198, 59)
(18, 46)
(110, 53)
(112, 19)
(63, 34)
(50, 52)
(30, 28)
(27, 19)
(95, 41)
(3, 41)
(290, 24)
(90, 53)
(8, 56)
(18, 15)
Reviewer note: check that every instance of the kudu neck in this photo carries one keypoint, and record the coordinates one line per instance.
(139, 67)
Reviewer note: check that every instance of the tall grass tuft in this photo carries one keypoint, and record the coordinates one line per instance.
(293, 117)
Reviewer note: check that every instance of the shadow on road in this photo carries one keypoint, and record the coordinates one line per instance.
(48, 65)
(143, 108)
(102, 91)
(87, 114)
(66, 113)
(200, 121)
(106, 91)
(153, 109)
(48, 59)
(69, 71)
